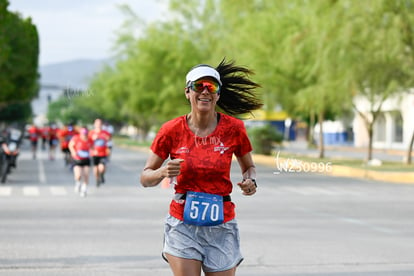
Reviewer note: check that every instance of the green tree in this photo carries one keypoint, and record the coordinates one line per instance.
(293, 45)
(316, 56)
(62, 110)
(147, 83)
(16, 112)
(19, 51)
(376, 58)
(311, 57)
(403, 12)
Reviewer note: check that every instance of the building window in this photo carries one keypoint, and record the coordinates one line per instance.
(398, 128)
(380, 129)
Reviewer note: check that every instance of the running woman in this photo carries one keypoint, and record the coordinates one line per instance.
(110, 129)
(34, 134)
(44, 133)
(65, 135)
(79, 147)
(53, 141)
(100, 151)
(200, 231)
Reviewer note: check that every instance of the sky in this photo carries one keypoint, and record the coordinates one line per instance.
(81, 29)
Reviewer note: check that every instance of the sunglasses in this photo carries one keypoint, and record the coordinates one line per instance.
(199, 86)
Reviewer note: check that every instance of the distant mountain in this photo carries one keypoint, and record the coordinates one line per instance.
(54, 78)
(73, 73)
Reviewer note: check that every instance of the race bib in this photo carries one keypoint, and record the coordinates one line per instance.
(203, 209)
(83, 153)
(99, 143)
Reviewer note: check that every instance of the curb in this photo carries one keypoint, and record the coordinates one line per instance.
(344, 171)
(336, 170)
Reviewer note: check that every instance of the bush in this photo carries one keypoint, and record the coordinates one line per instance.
(263, 138)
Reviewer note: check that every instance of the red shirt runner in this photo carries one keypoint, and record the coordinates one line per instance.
(34, 133)
(207, 160)
(82, 147)
(100, 142)
(65, 135)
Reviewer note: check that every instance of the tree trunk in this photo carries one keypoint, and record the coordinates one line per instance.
(311, 135)
(370, 136)
(410, 149)
(321, 142)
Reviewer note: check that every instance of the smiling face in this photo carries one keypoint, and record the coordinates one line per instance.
(202, 100)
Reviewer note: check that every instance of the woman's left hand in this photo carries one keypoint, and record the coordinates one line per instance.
(248, 187)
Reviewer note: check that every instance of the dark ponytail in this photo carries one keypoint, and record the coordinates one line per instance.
(237, 93)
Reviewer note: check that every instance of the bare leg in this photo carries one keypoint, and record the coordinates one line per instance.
(85, 175)
(77, 173)
(230, 272)
(52, 152)
(101, 168)
(184, 267)
(96, 173)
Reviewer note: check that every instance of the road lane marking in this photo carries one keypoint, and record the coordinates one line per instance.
(42, 174)
(58, 190)
(5, 191)
(31, 191)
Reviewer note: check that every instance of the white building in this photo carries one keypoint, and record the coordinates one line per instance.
(394, 126)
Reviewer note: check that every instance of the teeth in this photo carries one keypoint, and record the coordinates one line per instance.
(204, 100)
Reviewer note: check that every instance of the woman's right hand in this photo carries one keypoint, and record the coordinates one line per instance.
(172, 168)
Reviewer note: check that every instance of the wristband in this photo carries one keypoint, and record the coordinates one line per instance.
(252, 179)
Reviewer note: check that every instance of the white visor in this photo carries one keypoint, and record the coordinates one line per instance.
(202, 71)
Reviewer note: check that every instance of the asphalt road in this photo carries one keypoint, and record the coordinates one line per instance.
(297, 224)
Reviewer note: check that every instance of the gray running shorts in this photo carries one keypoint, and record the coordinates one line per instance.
(217, 247)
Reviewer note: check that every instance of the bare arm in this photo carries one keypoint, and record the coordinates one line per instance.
(154, 172)
(249, 172)
(5, 147)
(71, 147)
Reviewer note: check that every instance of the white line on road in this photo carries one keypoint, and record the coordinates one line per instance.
(42, 174)
(5, 191)
(58, 191)
(31, 191)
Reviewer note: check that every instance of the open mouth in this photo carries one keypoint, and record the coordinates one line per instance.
(204, 100)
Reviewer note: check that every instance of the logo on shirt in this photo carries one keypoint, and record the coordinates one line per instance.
(182, 150)
(221, 148)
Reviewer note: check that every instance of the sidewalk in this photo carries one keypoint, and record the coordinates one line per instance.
(345, 152)
(300, 148)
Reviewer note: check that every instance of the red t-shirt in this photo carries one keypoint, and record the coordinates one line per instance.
(53, 132)
(207, 159)
(33, 133)
(82, 147)
(65, 135)
(44, 132)
(100, 142)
